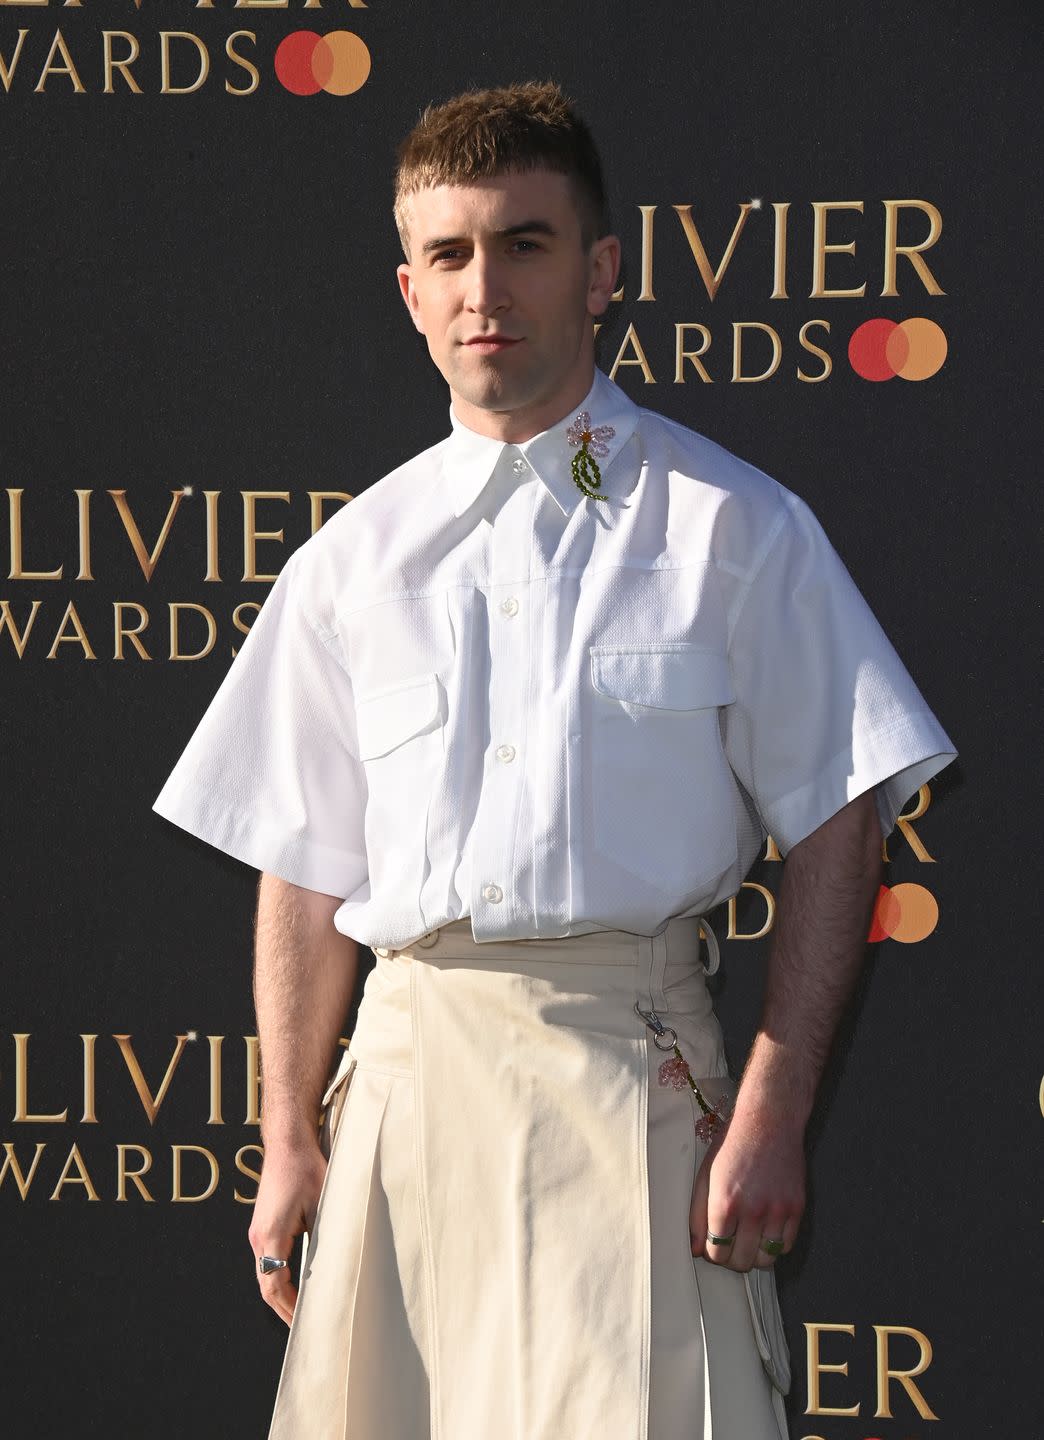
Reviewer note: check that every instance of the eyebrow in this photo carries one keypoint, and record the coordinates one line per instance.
(527, 227)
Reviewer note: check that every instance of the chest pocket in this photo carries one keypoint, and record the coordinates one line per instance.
(661, 789)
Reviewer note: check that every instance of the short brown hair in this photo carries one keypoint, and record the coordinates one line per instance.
(531, 125)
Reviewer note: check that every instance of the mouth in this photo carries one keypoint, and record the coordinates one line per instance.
(491, 344)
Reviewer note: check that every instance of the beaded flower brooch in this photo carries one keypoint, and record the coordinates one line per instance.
(591, 442)
(677, 1075)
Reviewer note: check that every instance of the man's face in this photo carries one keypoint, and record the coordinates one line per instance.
(504, 292)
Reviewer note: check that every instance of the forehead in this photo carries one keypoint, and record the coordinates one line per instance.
(492, 204)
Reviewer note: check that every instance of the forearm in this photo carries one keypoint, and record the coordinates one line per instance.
(830, 880)
(304, 975)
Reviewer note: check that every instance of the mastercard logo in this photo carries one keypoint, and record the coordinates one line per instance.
(337, 62)
(905, 912)
(882, 349)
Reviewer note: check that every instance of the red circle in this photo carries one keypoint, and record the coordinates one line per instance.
(867, 349)
(293, 62)
(886, 915)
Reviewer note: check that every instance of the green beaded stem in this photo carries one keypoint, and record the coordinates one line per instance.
(586, 473)
(693, 1086)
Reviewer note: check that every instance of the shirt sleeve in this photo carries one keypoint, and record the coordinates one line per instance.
(271, 774)
(824, 708)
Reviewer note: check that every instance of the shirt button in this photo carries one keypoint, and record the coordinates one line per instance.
(493, 894)
(509, 606)
(519, 466)
(505, 753)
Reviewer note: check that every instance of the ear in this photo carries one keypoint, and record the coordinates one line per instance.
(409, 295)
(604, 262)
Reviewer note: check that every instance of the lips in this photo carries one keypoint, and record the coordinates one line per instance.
(491, 343)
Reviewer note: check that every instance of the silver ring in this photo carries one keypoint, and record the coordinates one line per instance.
(772, 1247)
(720, 1239)
(268, 1263)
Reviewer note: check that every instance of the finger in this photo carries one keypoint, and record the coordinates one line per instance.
(741, 1253)
(698, 1207)
(777, 1227)
(278, 1290)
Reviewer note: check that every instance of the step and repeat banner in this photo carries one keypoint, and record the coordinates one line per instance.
(827, 226)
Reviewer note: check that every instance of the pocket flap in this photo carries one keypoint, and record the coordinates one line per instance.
(677, 677)
(389, 717)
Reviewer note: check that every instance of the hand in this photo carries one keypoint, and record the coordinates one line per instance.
(286, 1204)
(751, 1182)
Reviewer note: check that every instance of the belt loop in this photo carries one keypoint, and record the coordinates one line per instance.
(713, 948)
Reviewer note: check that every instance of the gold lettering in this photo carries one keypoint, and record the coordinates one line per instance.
(130, 525)
(245, 1169)
(631, 338)
(738, 327)
(166, 36)
(816, 1367)
(123, 1174)
(175, 607)
(681, 354)
(150, 1103)
(109, 64)
(885, 1373)
(253, 1081)
(820, 250)
(18, 571)
(648, 211)
(7, 622)
(83, 516)
(82, 1178)
(904, 824)
(11, 1163)
(770, 912)
(779, 259)
(89, 1080)
(828, 364)
(912, 252)
(211, 497)
(241, 60)
(250, 532)
(68, 68)
(177, 1193)
(122, 633)
(22, 1114)
(7, 71)
(215, 1042)
(80, 638)
(711, 278)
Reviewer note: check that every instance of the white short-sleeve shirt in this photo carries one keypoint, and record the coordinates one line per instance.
(478, 692)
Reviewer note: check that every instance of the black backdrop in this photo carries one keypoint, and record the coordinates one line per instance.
(199, 292)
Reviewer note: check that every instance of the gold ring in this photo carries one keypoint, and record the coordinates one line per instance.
(772, 1247)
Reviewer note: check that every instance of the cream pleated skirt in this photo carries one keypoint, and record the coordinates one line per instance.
(501, 1249)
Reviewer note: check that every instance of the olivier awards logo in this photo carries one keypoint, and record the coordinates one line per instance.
(840, 259)
(47, 60)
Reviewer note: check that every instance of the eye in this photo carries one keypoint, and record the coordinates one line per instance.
(445, 255)
(530, 244)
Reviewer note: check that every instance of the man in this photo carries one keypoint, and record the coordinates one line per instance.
(516, 718)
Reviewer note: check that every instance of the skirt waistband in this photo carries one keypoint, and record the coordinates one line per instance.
(678, 943)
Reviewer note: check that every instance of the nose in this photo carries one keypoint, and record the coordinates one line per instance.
(487, 292)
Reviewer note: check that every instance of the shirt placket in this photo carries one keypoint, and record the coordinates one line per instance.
(502, 897)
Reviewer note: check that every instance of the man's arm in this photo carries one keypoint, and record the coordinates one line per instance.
(304, 975)
(753, 1182)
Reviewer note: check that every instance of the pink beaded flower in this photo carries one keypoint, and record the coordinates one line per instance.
(591, 442)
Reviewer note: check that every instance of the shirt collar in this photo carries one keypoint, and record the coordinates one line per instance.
(472, 458)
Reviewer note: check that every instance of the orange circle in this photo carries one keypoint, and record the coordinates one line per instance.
(348, 60)
(926, 348)
(918, 913)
